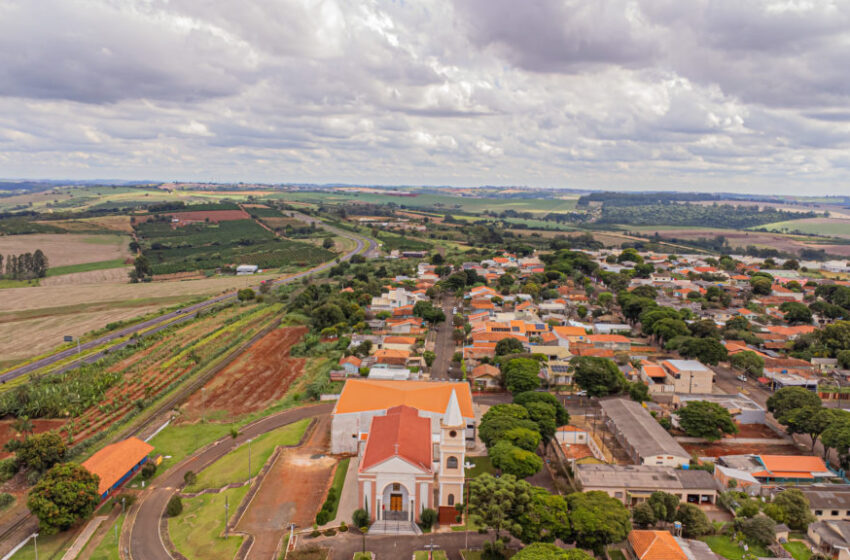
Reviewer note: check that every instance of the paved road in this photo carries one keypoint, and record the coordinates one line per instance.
(180, 315)
(444, 346)
(392, 547)
(140, 533)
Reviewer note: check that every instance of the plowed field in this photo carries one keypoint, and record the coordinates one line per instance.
(7, 432)
(258, 378)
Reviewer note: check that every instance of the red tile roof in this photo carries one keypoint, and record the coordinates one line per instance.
(401, 433)
(115, 460)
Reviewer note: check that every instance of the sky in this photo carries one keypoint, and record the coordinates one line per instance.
(714, 95)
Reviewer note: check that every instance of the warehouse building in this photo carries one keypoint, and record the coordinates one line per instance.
(646, 442)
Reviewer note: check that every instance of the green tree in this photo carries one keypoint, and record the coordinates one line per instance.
(747, 361)
(428, 517)
(65, 495)
(643, 515)
(694, 521)
(836, 336)
(706, 350)
(761, 286)
(639, 391)
(521, 375)
(543, 414)
(759, 529)
(141, 269)
(427, 311)
(796, 313)
(789, 398)
(795, 505)
(509, 345)
(514, 460)
(498, 503)
(246, 294)
(328, 243)
(844, 359)
(706, 420)
(664, 506)
(522, 438)
(41, 451)
(561, 416)
(809, 420)
(597, 519)
(429, 357)
(668, 328)
(174, 507)
(502, 418)
(605, 299)
(837, 437)
(600, 377)
(327, 315)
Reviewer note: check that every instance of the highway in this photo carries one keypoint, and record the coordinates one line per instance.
(151, 326)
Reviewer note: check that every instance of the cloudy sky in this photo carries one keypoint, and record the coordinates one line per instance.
(730, 95)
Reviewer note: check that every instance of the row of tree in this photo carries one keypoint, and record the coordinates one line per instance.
(25, 266)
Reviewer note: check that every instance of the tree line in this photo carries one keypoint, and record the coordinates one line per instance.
(25, 266)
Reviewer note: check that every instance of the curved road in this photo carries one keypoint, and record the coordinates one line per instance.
(141, 531)
(175, 317)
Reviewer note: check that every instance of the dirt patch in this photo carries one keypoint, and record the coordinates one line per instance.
(259, 377)
(108, 276)
(211, 216)
(284, 498)
(7, 432)
(755, 431)
(719, 449)
(67, 249)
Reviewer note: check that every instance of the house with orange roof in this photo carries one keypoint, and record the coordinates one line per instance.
(485, 376)
(392, 357)
(351, 364)
(615, 342)
(396, 342)
(780, 469)
(655, 377)
(569, 335)
(655, 545)
(116, 463)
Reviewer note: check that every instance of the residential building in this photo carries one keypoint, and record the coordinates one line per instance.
(743, 409)
(661, 545)
(831, 538)
(633, 484)
(828, 502)
(779, 469)
(688, 376)
(641, 435)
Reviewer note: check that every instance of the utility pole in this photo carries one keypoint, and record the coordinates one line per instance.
(226, 515)
(249, 459)
(203, 404)
(35, 544)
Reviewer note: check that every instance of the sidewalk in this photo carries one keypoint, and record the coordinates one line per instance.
(349, 496)
(83, 538)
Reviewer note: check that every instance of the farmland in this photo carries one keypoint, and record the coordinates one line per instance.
(258, 378)
(68, 249)
(834, 227)
(95, 397)
(199, 246)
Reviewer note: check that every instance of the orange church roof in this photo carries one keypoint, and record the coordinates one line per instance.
(360, 395)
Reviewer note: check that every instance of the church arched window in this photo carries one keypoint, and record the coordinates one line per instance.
(451, 463)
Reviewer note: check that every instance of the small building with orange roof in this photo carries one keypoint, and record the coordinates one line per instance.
(661, 545)
(117, 463)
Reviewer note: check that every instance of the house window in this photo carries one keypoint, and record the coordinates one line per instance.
(818, 512)
(451, 499)
(834, 512)
(451, 463)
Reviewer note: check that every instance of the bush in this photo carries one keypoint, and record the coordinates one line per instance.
(360, 518)
(428, 518)
(315, 533)
(148, 470)
(6, 500)
(8, 468)
(329, 532)
(190, 478)
(174, 507)
(322, 517)
(343, 527)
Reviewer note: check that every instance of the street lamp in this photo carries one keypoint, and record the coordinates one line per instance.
(466, 466)
(35, 544)
(249, 459)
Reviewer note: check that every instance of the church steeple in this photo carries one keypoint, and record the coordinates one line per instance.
(453, 417)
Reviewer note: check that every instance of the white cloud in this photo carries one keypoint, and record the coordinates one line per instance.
(709, 94)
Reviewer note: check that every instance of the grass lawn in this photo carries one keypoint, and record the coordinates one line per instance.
(482, 465)
(423, 555)
(85, 267)
(473, 527)
(798, 550)
(339, 480)
(233, 467)
(108, 547)
(197, 531)
(723, 545)
(615, 554)
(362, 556)
(471, 554)
(175, 443)
(48, 546)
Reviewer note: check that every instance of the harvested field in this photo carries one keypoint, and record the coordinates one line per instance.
(112, 223)
(211, 215)
(258, 378)
(285, 498)
(741, 239)
(7, 432)
(34, 320)
(718, 449)
(68, 249)
(108, 276)
(280, 223)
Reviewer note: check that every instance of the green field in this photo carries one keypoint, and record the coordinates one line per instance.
(175, 443)
(482, 465)
(108, 547)
(723, 545)
(205, 246)
(816, 226)
(423, 555)
(393, 241)
(798, 550)
(198, 531)
(85, 267)
(338, 482)
(233, 467)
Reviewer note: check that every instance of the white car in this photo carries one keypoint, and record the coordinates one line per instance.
(742, 378)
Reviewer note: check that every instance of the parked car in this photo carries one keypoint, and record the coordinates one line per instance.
(742, 377)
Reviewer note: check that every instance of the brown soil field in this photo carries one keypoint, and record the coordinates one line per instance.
(7, 433)
(276, 223)
(719, 449)
(67, 249)
(755, 431)
(256, 379)
(108, 276)
(285, 497)
(212, 215)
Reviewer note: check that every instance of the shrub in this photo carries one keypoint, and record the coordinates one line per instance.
(428, 517)
(8, 468)
(322, 517)
(329, 532)
(174, 507)
(343, 527)
(6, 500)
(148, 470)
(189, 478)
(360, 518)
(315, 533)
